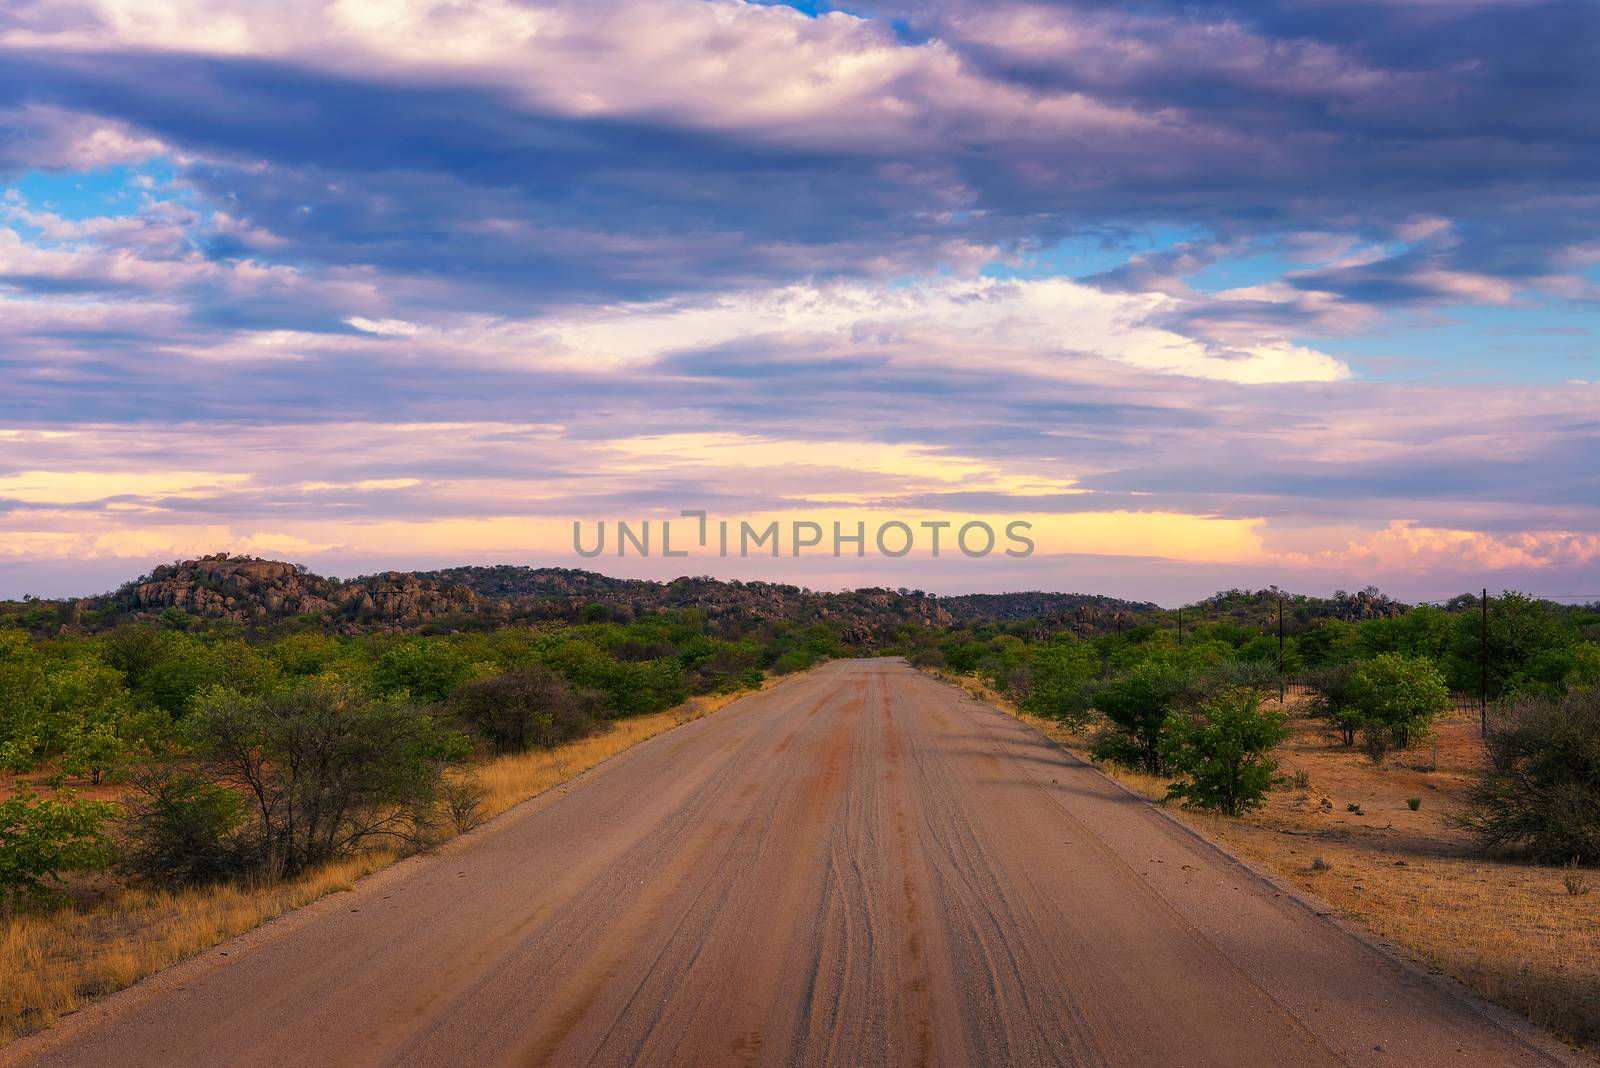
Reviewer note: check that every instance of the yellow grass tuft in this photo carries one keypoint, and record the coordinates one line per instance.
(55, 962)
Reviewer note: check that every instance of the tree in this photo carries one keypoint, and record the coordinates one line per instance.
(1526, 648)
(41, 838)
(1223, 750)
(24, 702)
(425, 669)
(529, 707)
(175, 618)
(92, 719)
(1332, 641)
(1398, 697)
(1061, 670)
(1139, 706)
(306, 654)
(1583, 665)
(1542, 791)
(327, 768)
(1424, 632)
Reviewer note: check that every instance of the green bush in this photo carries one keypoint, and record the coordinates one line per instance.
(1397, 698)
(328, 768)
(1541, 794)
(24, 702)
(1059, 675)
(1332, 702)
(1223, 750)
(527, 708)
(424, 669)
(792, 661)
(1140, 705)
(40, 838)
(1527, 648)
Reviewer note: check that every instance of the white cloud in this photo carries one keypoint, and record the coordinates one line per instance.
(767, 69)
(1032, 325)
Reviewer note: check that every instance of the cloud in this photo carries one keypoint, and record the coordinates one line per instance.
(1404, 544)
(640, 149)
(34, 135)
(1033, 326)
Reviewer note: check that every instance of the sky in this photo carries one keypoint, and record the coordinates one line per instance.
(1209, 294)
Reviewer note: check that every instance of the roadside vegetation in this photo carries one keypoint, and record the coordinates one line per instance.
(1359, 766)
(168, 784)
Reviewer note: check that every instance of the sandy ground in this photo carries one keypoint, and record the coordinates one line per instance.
(863, 866)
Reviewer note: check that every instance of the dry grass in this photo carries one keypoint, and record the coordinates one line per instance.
(1511, 931)
(55, 962)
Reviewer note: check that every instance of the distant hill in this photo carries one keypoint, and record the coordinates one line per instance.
(566, 593)
(259, 593)
(1036, 604)
(1260, 607)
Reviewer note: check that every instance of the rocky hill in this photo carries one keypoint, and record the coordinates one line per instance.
(251, 591)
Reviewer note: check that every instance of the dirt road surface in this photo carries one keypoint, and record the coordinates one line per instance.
(861, 866)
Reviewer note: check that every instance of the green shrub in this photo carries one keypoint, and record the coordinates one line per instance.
(1140, 706)
(424, 669)
(1527, 648)
(1541, 794)
(1059, 673)
(1398, 697)
(24, 702)
(528, 708)
(1223, 750)
(792, 661)
(40, 838)
(1331, 700)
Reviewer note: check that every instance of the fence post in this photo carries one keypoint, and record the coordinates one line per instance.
(1283, 693)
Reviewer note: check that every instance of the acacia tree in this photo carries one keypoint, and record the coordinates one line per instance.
(327, 768)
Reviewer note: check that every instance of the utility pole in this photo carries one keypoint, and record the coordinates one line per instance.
(1483, 666)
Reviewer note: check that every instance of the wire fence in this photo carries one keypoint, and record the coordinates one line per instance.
(1298, 689)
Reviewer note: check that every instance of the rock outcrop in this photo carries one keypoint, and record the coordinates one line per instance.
(248, 590)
